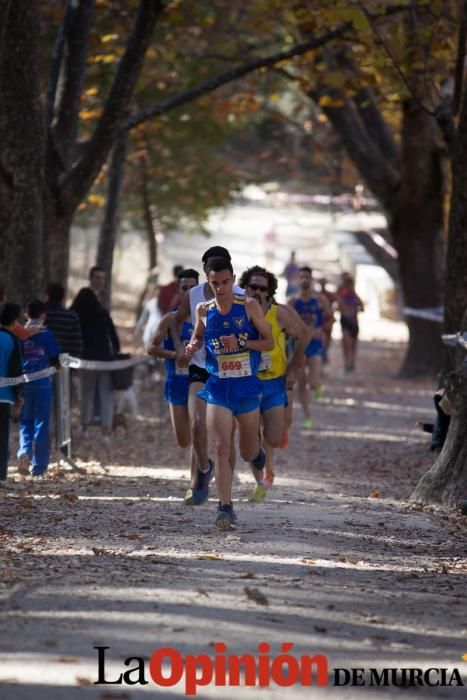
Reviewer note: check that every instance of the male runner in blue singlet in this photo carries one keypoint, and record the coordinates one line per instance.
(176, 386)
(311, 308)
(234, 331)
(203, 468)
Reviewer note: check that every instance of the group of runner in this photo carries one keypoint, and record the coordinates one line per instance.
(233, 355)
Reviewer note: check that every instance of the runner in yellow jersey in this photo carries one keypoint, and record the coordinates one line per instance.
(277, 375)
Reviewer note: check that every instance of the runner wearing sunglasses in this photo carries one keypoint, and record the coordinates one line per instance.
(277, 375)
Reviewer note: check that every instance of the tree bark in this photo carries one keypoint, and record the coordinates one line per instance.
(109, 228)
(416, 225)
(65, 192)
(456, 259)
(149, 228)
(148, 219)
(410, 189)
(21, 156)
(67, 77)
(4, 9)
(446, 482)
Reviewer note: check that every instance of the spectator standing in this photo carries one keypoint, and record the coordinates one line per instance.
(100, 342)
(64, 323)
(97, 281)
(168, 293)
(11, 365)
(40, 352)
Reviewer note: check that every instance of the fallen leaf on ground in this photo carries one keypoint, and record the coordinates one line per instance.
(211, 557)
(201, 591)
(374, 494)
(256, 595)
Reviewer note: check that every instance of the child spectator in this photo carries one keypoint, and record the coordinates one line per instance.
(11, 365)
(40, 351)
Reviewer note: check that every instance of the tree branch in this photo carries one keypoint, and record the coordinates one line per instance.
(233, 74)
(72, 49)
(77, 182)
(376, 125)
(394, 61)
(380, 176)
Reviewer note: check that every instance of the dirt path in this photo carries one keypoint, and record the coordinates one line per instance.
(335, 562)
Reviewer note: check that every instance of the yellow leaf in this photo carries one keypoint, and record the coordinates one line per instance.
(328, 101)
(96, 199)
(108, 37)
(87, 114)
(91, 91)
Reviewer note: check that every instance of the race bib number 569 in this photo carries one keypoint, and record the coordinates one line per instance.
(234, 365)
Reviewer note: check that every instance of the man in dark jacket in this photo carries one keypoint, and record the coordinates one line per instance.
(11, 365)
(63, 323)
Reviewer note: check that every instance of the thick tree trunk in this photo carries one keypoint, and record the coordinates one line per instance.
(4, 9)
(57, 226)
(446, 481)
(21, 156)
(410, 189)
(456, 261)
(417, 230)
(109, 228)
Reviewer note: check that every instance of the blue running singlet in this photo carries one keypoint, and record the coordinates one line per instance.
(232, 382)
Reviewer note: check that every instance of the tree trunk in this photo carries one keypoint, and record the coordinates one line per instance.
(57, 225)
(4, 9)
(148, 219)
(417, 230)
(21, 157)
(149, 228)
(411, 191)
(109, 228)
(456, 261)
(446, 481)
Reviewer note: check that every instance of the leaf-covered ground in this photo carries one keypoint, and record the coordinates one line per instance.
(335, 561)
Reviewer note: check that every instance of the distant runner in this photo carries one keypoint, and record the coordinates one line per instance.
(312, 308)
(349, 306)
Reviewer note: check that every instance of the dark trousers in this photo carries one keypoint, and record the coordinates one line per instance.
(4, 438)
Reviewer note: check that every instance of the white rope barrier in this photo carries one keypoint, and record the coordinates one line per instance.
(434, 313)
(455, 339)
(75, 363)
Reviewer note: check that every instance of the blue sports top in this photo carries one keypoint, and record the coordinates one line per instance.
(310, 312)
(39, 352)
(171, 366)
(240, 365)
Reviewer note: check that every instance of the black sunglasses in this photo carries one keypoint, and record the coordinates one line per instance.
(258, 288)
